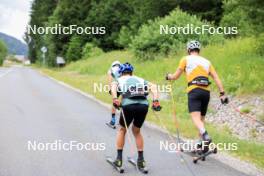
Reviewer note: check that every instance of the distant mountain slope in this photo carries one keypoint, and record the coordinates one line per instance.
(14, 45)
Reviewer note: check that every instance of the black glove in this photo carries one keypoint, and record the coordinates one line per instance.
(167, 77)
(156, 105)
(224, 99)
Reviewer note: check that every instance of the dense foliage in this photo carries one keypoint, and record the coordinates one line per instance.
(247, 15)
(149, 42)
(3, 51)
(126, 20)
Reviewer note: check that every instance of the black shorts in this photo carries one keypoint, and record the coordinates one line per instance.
(134, 112)
(198, 100)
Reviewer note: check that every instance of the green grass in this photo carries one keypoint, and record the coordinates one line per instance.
(246, 110)
(240, 69)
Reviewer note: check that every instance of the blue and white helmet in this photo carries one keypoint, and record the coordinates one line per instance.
(126, 68)
(194, 44)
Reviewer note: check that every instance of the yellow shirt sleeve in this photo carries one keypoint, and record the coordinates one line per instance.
(182, 64)
(211, 68)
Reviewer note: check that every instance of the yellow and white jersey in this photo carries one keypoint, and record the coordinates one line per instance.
(195, 66)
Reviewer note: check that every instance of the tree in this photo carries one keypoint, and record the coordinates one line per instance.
(3, 51)
(247, 15)
(40, 11)
(66, 13)
(74, 51)
(210, 10)
(111, 14)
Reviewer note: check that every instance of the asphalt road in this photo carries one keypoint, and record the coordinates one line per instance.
(35, 108)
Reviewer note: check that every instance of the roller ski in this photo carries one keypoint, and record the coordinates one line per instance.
(117, 164)
(202, 156)
(140, 165)
(111, 125)
(203, 149)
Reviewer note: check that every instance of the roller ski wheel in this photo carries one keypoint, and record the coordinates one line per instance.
(204, 155)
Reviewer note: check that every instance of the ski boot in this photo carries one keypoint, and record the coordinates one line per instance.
(118, 163)
(141, 164)
(206, 142)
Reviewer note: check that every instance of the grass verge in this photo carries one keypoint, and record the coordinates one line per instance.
(240, 75)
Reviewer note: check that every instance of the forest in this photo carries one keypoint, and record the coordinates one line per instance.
(134, 25)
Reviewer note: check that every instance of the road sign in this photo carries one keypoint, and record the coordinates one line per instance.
(44, 49)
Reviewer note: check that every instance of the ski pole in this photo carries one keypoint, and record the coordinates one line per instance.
(244, 114)
(132, 149)
(163, 126)
(174, 113)
(177, 129)
(236, 109)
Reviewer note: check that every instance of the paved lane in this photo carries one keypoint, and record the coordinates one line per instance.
(35, 108)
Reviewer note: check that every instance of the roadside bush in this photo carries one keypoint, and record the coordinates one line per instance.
(74, 50)
(238, 18)
(90, 50)
(3, 52)
(125, 37)
(149, 43)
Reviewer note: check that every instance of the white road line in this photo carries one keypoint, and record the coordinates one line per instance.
(6, 72)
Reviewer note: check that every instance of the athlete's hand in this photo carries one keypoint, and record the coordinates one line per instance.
(116, 103)
(156, 105)
(224, 99)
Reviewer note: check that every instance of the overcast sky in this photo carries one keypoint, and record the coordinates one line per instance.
(14, 16)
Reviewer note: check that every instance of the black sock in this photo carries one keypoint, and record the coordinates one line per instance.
(140, 155)
(119, 154)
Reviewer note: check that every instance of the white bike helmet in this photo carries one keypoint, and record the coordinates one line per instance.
(194, 44)
(115, 63)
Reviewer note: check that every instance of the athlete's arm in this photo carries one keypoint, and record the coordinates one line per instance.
(154, 90)
(176, 75)
(217, 80)
(178, 72)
